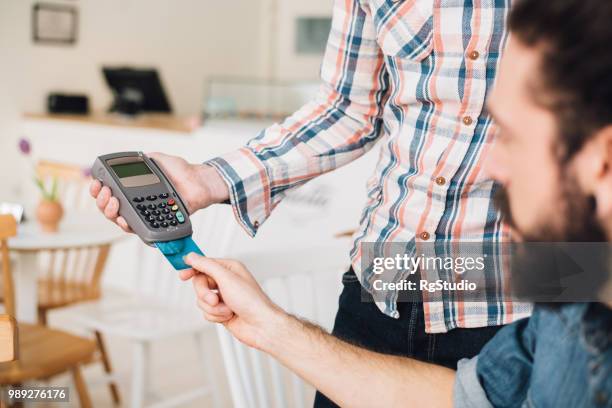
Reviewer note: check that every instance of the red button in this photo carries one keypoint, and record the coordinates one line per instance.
(171, 202)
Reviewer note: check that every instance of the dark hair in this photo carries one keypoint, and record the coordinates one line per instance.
(575, 37)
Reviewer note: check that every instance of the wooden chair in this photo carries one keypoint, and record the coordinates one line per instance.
(71, 276)
(42, 352)
(8, 338)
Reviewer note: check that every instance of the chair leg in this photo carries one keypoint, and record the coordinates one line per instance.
(107, 367)
(81, 387)
(42, 317)
(140, 372)
(211, 375)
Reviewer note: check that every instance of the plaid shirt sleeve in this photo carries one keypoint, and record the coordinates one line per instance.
(340, 125)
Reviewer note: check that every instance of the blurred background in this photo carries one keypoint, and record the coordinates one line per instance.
(195, 78)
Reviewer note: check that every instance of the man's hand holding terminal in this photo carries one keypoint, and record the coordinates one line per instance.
(199, 186)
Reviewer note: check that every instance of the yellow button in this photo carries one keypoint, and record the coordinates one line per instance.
(175, 208)
(467, 121)
(474, 55)
(440, 181)
(424, 235)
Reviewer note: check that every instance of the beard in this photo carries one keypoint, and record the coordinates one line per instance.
(574, 220)
(538, 267)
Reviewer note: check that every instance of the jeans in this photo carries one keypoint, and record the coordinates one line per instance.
(361, 323)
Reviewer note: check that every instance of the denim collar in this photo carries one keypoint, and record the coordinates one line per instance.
(596, 327)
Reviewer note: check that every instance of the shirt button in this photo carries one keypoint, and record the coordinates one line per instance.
(601, 398)
(467, 121)
(256, 224)
(424, 235)
(474, 55)
(440, 181)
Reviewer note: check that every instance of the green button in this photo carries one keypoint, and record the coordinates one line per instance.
(180, 217)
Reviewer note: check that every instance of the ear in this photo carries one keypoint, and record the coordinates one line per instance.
(598, 175)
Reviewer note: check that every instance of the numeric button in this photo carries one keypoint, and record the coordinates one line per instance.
(152, 197)
(163, 195)
(155, 225)
(173, 223)
(138, 199)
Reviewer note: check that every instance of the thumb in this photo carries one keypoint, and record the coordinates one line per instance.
(208, 266)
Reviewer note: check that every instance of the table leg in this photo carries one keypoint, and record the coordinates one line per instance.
(26, 296)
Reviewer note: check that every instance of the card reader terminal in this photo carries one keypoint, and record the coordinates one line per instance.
(149, 203)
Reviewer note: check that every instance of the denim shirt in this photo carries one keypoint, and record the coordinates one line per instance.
(560, 357)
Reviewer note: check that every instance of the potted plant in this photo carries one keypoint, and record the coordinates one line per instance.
(49, 211)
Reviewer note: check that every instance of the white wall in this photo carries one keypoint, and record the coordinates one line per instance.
(279, 18)
(188, 40)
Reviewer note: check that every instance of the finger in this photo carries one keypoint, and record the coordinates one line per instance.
(94, 188)
(235, 266)
(103, 198)
(212, 284)
(187, 274)
(207, 265)
(216, 319)
(123, 224)
(203, 291)
(111, 211)
(220, 310)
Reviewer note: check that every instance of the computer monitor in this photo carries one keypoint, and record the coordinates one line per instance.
(136, 90)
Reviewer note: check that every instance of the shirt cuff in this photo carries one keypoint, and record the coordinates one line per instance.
(467, 391)
(249, 186)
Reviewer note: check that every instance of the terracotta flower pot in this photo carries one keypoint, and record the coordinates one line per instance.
(49, 214)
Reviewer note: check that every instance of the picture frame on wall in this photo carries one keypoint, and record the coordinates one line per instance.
(54, 23)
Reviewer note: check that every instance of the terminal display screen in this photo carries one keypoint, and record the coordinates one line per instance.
(131, 169)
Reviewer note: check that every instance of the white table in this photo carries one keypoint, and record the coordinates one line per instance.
(76, 230)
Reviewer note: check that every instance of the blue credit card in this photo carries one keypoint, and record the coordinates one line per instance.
(176, 250)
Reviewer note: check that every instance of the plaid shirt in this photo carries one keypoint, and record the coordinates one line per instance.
(412, 75)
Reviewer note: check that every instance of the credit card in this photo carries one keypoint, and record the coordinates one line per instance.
(176, 250)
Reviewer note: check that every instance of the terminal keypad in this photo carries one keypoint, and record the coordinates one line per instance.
(160, 212)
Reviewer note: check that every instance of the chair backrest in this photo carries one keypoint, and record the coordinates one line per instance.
(302, 285)
(72, 184)
(8, 229)
(72, 273)
(214, 230)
